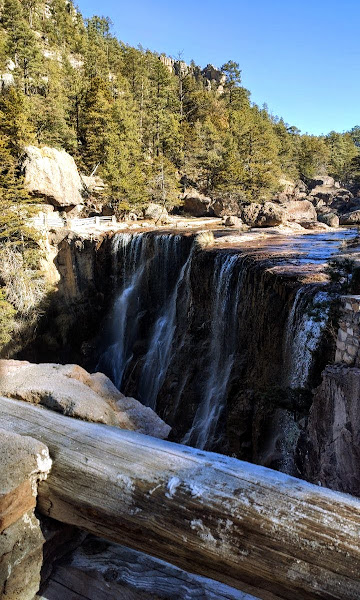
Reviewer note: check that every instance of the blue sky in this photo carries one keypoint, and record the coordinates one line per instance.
(300, 57)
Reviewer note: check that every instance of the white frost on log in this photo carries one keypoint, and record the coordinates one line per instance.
(242, 523)
(101, 570)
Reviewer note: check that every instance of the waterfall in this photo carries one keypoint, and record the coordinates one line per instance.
(306, 323)
(145, 260)
(222, 348)
(158, 357)
(125, 313)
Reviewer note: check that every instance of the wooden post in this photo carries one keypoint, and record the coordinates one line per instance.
(206, 513)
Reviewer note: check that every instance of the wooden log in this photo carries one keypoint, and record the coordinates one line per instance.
(102, 570)
(204, 512)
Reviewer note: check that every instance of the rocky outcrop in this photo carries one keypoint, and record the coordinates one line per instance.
(270, 215)
(350, 218)
(52, 174)
(156, 213)
(72, 391)
(23, 462)
(197, 205)
(333, 455)
(330, 219)
(93, 184)
(231, 221)
(300, 211)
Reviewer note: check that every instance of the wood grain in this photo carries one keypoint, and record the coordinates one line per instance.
(204, 512)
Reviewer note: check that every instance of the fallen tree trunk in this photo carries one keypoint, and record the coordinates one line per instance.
(204, 512)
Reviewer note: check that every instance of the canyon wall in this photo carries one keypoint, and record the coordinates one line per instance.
(222, 344)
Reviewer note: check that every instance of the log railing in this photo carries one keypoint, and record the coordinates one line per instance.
(209, 514)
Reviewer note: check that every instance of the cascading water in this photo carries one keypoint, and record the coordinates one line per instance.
(222, 348)
(140, 255)
(306, 323)
(193, 332)
(158, 356)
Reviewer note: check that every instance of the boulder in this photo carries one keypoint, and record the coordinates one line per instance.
(321, 180)
(300, 211)
(226, 206)
(24, 461)
(232, 221)
(52, 174)
(249, 212)
(270, 215)
(351, 218)
(314, 225)
(156, 213)
(198, 205)
(72, 391)
(330, 219)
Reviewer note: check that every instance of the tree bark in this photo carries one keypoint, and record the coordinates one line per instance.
(206, 513)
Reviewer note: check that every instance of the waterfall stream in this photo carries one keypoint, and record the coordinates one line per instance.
(307, 320)
(179, 348)
(139, 255)
(222, 348)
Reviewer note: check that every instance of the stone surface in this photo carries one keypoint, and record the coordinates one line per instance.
(71, 390)
(320, 180)
(197, 205)
(93, 183)
(330, 219)
(249, 212)
(350, 218)
(21, 554)
(300, 211)
(157, 213)
(226, 206)
(317, 225)
(334, 431)
(348, 339)
(232, 221)
(24, 462)
(53, 174)
(270, 215)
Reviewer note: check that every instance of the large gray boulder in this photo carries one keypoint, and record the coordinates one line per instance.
(226, 206)
(321, 180)
(350, 218)
(198, 205)
(330, 219)
(270, 215)
(300, 211)
(52, 174)
(232, 221)
(72, 391)
(156, 213)
(249, 213)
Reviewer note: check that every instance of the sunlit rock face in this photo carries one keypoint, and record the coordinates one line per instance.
(52, 174)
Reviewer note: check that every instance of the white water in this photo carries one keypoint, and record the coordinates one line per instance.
(221, 353)
(306, 323)
(158, 357)
(139, 254)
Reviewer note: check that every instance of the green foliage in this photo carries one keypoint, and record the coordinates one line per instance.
(342, 155)
(340, 272)
(145, 128)
(313, 156)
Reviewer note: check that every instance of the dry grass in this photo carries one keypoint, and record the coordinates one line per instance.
(314, 278)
